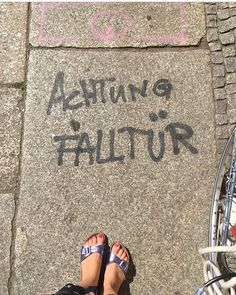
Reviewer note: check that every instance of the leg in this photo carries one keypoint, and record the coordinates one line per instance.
(113, 275)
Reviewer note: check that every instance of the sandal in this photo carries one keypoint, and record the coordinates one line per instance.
(86, 251)
(123, 264)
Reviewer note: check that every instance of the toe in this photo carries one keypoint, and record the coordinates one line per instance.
(115, 249)
(89, 242)
(100, 238)
(122, 257)
(93, 240)
(120, 253)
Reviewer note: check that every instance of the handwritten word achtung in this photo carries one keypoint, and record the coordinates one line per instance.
(92, 91)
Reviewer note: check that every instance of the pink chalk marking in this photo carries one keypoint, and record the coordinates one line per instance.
(109, 35)
(42, 8)
(183, 34)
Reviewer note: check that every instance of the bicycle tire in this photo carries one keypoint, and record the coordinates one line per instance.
(216, 211)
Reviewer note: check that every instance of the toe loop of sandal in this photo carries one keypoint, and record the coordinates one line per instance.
(88, 250)
(121, 263)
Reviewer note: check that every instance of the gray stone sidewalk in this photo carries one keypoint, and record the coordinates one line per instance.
(113, 118)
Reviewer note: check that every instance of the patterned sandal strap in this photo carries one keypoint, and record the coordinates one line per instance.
(88, 250)
(71, 289)
(123, 265)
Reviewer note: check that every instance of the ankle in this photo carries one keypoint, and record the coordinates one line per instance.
(83, 283)
(109, 289)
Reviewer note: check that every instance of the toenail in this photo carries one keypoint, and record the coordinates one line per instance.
(116, 244)
(100, 235)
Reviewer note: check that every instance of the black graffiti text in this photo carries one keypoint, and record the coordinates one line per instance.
(179, 133)
(92, 91)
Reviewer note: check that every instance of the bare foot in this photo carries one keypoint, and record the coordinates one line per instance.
(113, 275)
(90, 266)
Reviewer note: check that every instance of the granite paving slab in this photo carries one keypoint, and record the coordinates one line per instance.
(121, 142)
(10, 135)
(6, 215)
(116, 24)
(13, 19)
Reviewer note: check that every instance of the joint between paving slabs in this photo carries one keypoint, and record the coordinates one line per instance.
(17, 85)
(23, 87)
(202, 44)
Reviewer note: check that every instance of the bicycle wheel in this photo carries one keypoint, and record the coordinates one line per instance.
(222, 230)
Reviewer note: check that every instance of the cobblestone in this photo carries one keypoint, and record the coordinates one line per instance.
(227, 38)
(218, 82)
(230, 64)
(227, 25)
(223, 57)
(231, 78)
(218, 70)
(211, 21)
(232, 115)
(222, 5)
(228, 50)
(221, 119)
(232, 101)
(233, 11)
(220, 93)
(215, 46)
(223, 14)
(212, 34)
(230, 88)
(211, 9)
(223, 132)
(217, 58)
(221, 106)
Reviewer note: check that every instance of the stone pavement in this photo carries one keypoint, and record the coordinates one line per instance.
(113, 118)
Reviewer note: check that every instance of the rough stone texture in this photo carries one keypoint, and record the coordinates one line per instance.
(227, 25)
(116, 24)
(218, 70)
(221, 106)
(223, 14)
(212, 34)
(231, 78)
(232, 5)
(230, 64)
(228, 51)
(233, 11)
(218, 82)
(211, 8)
(232, 101)
(212, 21)
(221, 119)
(146, 205)
(6, 215)
(230, 88)
(13, 17)
(222, 5)
(220, 145)
(227, 38)
(223, 132)
(215, 46)
(216, 57)
(232, 115)
(219, 93)
(10, 133)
